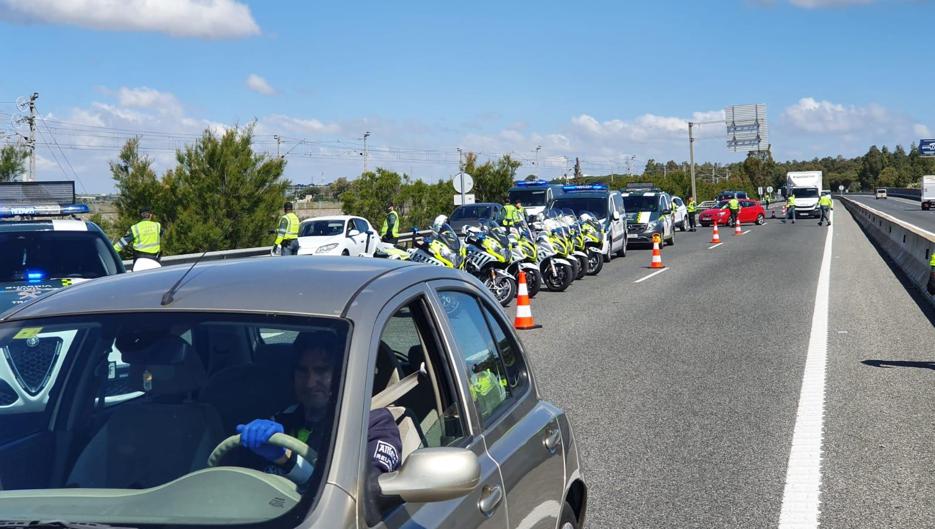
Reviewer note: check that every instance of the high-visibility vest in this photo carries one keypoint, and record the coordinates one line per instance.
(791, 202)
(394, 229)
(691, 206)
(825, 201)
(146, 235)
(734, 204)
(509, 214)
(288, 228)
(932, 262)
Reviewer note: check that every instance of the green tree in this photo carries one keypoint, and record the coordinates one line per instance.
(137, 187)
(492, 181)
(222, 195)
(422, 202)
(371, 194)
(12, 163)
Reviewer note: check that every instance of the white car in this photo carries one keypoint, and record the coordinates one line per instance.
(338, 235)
(680, 213)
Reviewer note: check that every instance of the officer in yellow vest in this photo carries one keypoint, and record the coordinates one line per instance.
(734, 206)
(692, 209)
(790, 208)
(827, 206)
(287, 234)
(143, 238)
(389, 232)
(931, 285)
(513, 215)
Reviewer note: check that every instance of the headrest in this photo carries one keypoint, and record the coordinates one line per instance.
(151, 347)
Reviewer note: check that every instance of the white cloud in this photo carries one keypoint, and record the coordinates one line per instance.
(825, 117)
(647, 127)
(210, 19)
(259, 85)
(922, 131)
(149, 98)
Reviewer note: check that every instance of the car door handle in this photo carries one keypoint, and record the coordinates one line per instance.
(552, 440)
(490, 499)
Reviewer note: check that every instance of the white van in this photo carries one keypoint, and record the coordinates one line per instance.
(881, 193)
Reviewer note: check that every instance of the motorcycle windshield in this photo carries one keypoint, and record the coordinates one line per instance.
(497, 232)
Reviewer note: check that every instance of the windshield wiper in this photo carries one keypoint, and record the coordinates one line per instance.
(56, 524)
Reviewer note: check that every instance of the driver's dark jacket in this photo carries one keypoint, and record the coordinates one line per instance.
(384, 446)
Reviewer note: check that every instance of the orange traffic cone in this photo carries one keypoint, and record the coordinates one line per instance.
(657, 255)
(715, 236)
(523, 319)
(737, 230)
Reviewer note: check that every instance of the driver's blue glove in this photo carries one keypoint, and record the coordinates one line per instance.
(255, 436)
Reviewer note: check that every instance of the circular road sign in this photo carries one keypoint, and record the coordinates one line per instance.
(467, 181)
(769, 189)
(841, 187)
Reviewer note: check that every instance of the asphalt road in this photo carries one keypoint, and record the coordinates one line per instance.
(903, 209)
(683, 388)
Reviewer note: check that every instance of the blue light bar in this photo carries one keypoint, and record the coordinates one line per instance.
(532, 183)
(35, 275)
(586, 187)
(51, 210)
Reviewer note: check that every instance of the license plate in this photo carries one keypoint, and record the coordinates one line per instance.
(633, 236)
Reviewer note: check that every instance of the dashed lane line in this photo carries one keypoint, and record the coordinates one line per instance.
(800, 498)
(657, 272)
(715, 246)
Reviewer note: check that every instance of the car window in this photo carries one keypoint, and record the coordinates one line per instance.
(428, 415)
(677, 201)
(54, 255)
(618, 203)
(321, 228)
(488, 378)
(746, 204)
(362, 225)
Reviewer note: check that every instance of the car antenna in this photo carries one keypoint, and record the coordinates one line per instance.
(169, 296)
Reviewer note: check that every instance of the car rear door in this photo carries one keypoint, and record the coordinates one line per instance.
(619, 224)
(521, 432)
(748, 211)
(364, 240)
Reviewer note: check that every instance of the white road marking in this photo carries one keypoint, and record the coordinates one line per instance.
(715, 246)
(657, 272)
(800, 499)
(745, 232)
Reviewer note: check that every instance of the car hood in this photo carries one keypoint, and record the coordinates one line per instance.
(19, 292)
(642, 217)
(313, 243)
(712, 212)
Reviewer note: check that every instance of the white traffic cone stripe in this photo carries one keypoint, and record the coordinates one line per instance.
(523, 291)
(523, 311)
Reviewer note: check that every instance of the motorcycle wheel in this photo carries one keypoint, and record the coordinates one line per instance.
(582, 266)
(503, 288)
(595, 263)
(575, 267)
(533, 282)
(560, 280)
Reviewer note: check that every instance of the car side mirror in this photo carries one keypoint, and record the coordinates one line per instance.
(353, 233)
(616, 215)
(433, 474)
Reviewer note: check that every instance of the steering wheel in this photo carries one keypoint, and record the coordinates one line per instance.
(278, 439)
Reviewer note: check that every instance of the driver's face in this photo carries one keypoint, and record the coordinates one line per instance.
(312, 379)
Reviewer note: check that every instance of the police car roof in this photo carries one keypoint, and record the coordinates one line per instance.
(294, 285)
(7, 226)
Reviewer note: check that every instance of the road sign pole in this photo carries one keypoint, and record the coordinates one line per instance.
(691, 156)
(461, 176)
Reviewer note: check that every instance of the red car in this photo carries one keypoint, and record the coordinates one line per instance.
(750, 212)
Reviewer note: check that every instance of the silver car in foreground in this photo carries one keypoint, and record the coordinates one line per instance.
(120, 400)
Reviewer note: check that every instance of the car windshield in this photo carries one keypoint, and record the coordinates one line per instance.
(637, 203)
(577, 204)
(54, 254)
(528, 197)
(139, 401)
(472, 212)
(322, 228)
(805, 192)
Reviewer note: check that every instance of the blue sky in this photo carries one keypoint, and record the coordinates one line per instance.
(610, 82)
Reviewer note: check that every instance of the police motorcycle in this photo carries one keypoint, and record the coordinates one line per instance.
(579, 250)
(489, 257)
(441, 248)
(592, 231)
(560, 235)
(557, 272)
(525, 256)
(385, 250)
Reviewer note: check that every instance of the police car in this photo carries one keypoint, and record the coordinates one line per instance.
(534, 195)
(649, 211)
(44, 250)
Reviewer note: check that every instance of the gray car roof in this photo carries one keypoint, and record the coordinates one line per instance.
(297, 285)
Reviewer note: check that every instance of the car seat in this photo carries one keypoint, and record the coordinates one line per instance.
(386, 376)
(158, 437)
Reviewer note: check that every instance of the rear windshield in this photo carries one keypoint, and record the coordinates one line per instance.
(472, 212)
(528, 197)
(634, 203)
(55, 254)
(322, 228)
(598, 205)
(137, 402)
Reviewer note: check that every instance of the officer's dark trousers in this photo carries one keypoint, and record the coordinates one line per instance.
(290, 247)
(825, 215)
(734, 213)
(691, 220)
(790, 213)
(389, 239)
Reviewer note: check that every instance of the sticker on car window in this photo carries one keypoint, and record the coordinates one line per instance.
(27, 332)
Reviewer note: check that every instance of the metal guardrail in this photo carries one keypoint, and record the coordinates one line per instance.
(405, 241)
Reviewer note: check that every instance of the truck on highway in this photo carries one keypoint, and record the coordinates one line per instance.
(928, 191)
(806, 186)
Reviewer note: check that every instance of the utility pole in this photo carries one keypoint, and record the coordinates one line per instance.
(278, 139)
(461, 173)
(538, 170)
(366, 152)
(691, 157)
(31, 142)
